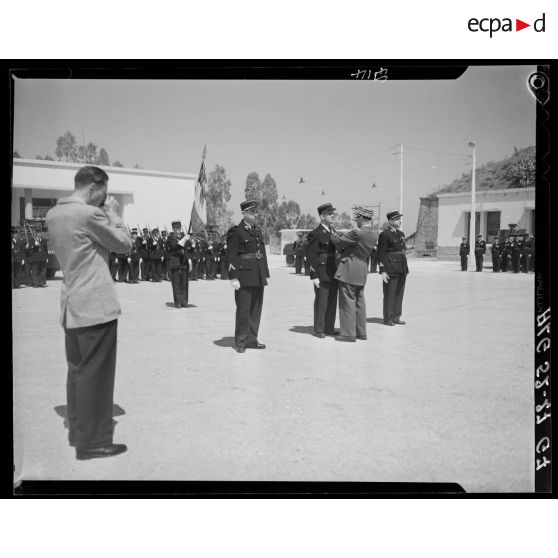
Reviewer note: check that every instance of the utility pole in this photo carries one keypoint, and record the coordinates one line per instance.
(401, 183)
(472, 234)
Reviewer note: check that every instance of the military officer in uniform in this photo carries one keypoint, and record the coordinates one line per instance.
(322, 260)
(374, 260)
(18, 257)
(210, 259)
(532, 252)
(113, 265)
(178, 264)
(133, 257)
(298, 251)
(164, 266)
(248, 272)
(517, 248)
(393, 268)
(156, 254)
(526, 255)
(464, 250)
(505, 254)
(37, 255)
(480, 249)
(223, 259)
(144, 255)
(192, 254)
(495, 251)
(352, 273)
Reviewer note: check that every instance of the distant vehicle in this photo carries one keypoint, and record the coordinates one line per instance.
(38, 225)
(288, 237)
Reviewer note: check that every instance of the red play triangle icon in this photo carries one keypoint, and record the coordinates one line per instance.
(519, 25)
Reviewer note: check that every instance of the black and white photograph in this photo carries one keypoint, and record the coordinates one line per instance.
(277, 276)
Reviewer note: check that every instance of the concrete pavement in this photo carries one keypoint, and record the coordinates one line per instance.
(446, 398)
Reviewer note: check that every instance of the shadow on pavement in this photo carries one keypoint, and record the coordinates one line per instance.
(308, 330)
(171, 305)
(62, 411)
(225, 342)
(374, 320)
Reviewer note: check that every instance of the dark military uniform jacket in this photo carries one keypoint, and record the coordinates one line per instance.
(37, 253)
(321, 254)
(391, 252)
(246, 255)
(298, 248)
(495, 250)
(135, 251)
(143, 250)
(480, 247)
(18, 250)
(175, 252)
(464, 249)
(210, 251)
(155, 247)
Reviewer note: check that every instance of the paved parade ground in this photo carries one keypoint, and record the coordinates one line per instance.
(446, 398)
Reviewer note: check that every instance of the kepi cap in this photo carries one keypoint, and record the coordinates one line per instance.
(176, 224)
(325, 208)
(394, 214)
(362, 212)
(249, 204)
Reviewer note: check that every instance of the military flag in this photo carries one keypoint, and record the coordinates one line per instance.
(198, 218)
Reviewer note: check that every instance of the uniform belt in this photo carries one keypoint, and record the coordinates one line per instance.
(251, 256)
(398, 252)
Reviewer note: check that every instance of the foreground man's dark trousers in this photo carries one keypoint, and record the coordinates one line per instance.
(352, 310)
(394, 290)
(179, 282)
(325, 306)
(91, 357)
(249, 302)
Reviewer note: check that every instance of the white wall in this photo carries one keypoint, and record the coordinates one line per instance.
(453, 210)
(146, 197)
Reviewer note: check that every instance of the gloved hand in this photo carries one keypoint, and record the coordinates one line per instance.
(316, 283)
(235, 284)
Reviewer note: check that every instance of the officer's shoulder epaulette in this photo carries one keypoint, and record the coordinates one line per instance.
(232, 229)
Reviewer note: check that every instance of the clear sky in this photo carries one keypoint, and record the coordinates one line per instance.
(340, 136)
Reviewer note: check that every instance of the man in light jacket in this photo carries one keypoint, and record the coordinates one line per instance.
(84, 228)
(352, 272)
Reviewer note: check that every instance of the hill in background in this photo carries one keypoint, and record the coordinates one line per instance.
(517, 171)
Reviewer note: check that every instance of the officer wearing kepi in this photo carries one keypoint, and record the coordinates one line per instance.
(480, 249)
(178, 265)
(464, 250)
(248, 272)
(393, 268)
(495, 251)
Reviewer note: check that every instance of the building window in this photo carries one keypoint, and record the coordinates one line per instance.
(467, 232)
(40, 207)
(492, 225)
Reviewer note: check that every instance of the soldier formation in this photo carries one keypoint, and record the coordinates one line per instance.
(29, 257)
(515, 253)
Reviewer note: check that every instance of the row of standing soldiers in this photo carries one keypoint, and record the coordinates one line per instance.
(509, 254)
(29, 258)
(300, 247)
(151, 251)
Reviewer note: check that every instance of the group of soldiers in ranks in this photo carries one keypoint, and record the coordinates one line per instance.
(29, 257)
(300, 247)
(515, 253)
(149, 258)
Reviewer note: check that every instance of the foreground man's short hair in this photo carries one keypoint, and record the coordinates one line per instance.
(88, 175)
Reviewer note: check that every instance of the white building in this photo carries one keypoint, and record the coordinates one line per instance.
(445, 217)
(146, 197)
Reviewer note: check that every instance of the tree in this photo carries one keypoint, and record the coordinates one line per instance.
(66, 147)
(17, 155)
(307, 221)
(38, 157)
(266, 195)
(136, 166)
(48, 158)
(103, 158)
(288, 215)
(522, 172)
(117, 164)
(253, 187)
(343, 221)
(218, 193)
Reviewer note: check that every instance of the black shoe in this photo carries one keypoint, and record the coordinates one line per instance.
(255, 346)
(332, 333)
(388, 323)
(345, 339)
(240, 349)
(319, 335)
(399, 322)
(106, 451)
(178, 305)
(362, 337)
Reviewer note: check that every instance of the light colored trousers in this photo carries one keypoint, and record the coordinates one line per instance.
(352, 310)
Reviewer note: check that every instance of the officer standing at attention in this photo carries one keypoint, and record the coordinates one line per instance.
(480, 249)
(178, 265)
(298, 250)
(495, 251)
(505, 253)
(133, 259)
(164, 266)
(18, 256)
(393, 268)
(144, 256)
(464, 250)
(323, 262)
(156, 255)
(223, 259)
(248, 272)
(517, 248)
(210, 259)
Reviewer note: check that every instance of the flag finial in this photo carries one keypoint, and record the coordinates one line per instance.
(204, 152)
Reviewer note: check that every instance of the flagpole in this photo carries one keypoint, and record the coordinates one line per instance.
(204, 154)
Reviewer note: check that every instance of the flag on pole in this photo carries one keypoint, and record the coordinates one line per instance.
(198, 218)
